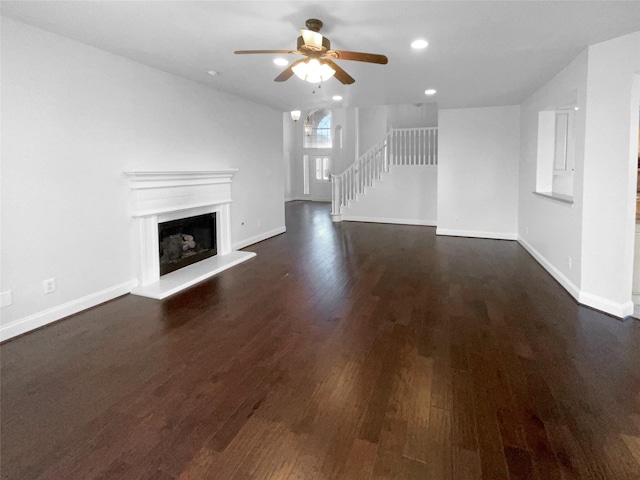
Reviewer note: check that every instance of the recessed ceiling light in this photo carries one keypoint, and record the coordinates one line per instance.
(337, 98)
(213, 73)
(430, 91)
(281, 61)
(419, 44)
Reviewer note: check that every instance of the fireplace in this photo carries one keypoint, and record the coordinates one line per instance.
(186, 241)
(185, 217)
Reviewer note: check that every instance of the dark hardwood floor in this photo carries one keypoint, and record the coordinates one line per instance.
(345, 351)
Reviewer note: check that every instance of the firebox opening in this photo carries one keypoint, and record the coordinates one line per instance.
(186, 241)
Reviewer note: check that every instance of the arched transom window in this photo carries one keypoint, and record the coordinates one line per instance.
(317, 129)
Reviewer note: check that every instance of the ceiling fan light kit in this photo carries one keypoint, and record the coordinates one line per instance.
(318, 65)
(313, 71)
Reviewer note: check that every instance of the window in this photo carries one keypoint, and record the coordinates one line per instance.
(323, 130)
(305, 174)
(323, 168)
(317, 130)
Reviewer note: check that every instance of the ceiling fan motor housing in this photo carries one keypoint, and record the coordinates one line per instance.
(301, 46)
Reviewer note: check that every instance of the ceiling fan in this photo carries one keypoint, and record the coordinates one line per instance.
(318, 64)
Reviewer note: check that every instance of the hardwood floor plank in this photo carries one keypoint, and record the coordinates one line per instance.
(390, 461)
(466, 464)
(464, 422)
(519, 464)
(361, 460)
(374, 414)
(418, 397)
(439, 454)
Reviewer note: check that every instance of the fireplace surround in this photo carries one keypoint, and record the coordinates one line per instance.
(159, 197)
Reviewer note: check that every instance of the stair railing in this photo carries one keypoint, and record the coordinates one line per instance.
(401, 146)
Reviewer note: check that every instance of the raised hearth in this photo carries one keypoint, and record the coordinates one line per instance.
(159, 197)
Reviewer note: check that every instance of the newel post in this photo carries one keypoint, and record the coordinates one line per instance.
(336, 200)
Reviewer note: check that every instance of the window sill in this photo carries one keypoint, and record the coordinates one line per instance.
(556, 196)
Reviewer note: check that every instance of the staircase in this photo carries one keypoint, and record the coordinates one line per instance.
(401, 146)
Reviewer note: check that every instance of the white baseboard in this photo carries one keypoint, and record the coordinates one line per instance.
(258, 238)
(616, 309)
(620, 310)
(567, 284)
(308, 199)
(476, 234)
(397, 221)
(45, 317)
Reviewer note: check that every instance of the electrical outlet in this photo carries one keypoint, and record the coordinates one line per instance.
(49, 285)
(259, 223)
(569, 262)
(6, 299)
(526, 230)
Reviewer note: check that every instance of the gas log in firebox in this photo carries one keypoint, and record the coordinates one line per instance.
(186, 241)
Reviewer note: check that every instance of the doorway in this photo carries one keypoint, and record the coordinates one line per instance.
(317, 177)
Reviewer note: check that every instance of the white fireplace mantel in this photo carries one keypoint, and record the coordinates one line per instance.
(162, 196)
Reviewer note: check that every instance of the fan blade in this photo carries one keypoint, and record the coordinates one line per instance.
(340, 75)
(358, 56)
(281, 52)
(288, 72)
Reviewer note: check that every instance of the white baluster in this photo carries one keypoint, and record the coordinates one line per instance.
(431, 151)
(414, 147)
(334, 196)
(435, 146)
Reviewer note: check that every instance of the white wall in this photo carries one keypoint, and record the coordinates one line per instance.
(407, 194)
(550, 229)
(412, 116)
(342, 155)
(74, 118)
(478, 150)
(613, 98)
(372, 126)
(288, 155)
(588, 246)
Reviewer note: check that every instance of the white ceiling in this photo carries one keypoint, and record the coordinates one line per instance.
(481, 53)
